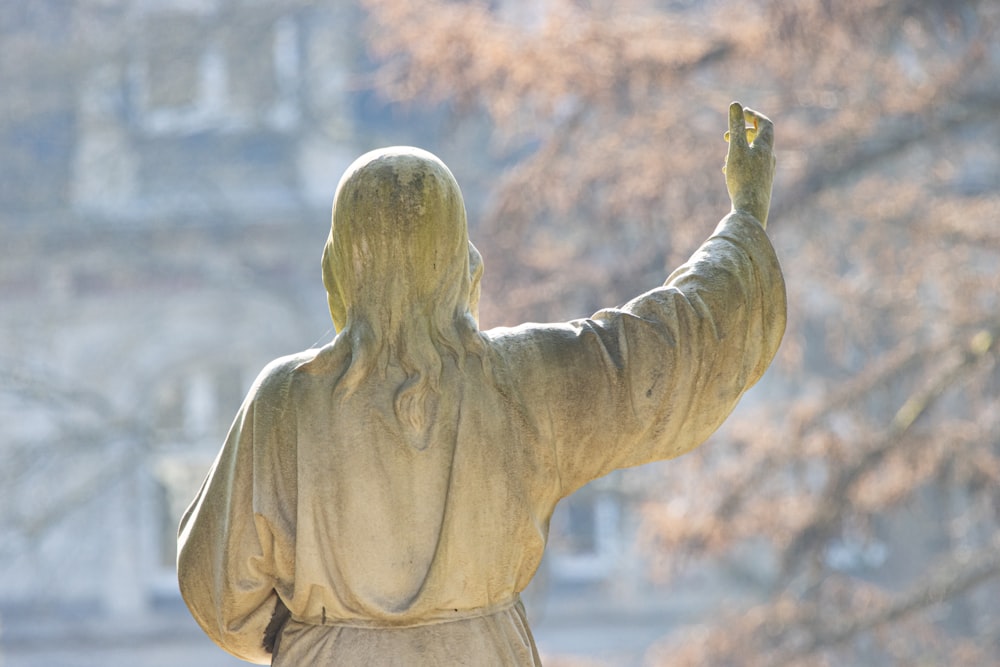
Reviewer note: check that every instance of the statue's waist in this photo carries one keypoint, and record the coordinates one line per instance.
(409, 619)
(495, 635)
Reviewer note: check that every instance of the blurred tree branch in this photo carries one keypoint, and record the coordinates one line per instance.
(888, 377)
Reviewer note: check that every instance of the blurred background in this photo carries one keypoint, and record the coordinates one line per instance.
(166, 172)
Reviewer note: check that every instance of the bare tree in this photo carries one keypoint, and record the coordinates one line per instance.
(872, 473)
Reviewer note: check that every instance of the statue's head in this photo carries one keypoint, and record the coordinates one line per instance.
(399, 245)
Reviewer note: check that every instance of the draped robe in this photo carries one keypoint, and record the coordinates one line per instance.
(324, 519)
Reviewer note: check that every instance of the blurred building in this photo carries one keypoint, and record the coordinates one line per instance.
(167, 168)
(166, 176)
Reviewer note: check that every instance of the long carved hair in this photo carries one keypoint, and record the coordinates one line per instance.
(402, 280)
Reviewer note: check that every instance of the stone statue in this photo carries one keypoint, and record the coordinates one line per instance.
(384, 499)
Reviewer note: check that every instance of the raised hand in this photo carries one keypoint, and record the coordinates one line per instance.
(750, 162)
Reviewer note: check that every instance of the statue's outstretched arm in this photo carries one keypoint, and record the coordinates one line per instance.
(654, 378)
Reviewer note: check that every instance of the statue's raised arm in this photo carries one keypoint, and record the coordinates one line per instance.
(654, 378)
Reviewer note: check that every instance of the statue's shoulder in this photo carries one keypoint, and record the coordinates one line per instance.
(534, 347)
(511, 342)
(279, 376)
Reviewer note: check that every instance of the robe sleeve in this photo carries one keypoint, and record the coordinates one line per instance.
(225, 562)
(655, 378)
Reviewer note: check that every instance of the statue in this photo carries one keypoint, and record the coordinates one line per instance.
(384, 499)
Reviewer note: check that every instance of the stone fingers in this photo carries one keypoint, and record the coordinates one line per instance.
(763, 129)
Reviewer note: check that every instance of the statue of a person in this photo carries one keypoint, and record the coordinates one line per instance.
(384, 499)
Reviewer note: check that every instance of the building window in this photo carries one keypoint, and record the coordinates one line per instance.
(199, 404)
(178, 478)
(195, 74)
(174, 60)
(584, 536)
